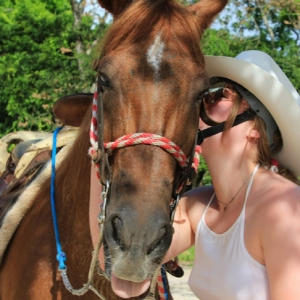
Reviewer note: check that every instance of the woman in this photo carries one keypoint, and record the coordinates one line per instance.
(246, 226)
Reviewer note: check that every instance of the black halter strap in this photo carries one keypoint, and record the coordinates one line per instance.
(247, 115)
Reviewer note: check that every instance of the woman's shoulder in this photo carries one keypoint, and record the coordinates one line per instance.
(194, 203)
(197, 197)
(276, 199)
(200, 193)
(276, 190)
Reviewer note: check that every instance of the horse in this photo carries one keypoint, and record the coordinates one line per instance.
(151, 75)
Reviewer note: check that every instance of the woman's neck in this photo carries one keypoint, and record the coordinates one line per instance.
(229, 175)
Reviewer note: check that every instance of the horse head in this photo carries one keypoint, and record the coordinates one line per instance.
(150, 80)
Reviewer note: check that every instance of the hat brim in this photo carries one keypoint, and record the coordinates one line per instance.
(273, 94)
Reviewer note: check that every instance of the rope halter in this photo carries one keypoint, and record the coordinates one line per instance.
(136, 139)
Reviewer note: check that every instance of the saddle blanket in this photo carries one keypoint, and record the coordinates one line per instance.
(25, 201)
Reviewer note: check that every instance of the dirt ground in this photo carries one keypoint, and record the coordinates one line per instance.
(179, 287)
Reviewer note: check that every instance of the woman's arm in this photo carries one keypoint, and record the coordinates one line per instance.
(187, 217)
(183, 237)
(94, 210)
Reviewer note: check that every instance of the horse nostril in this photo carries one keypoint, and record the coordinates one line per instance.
(161, 236)
(117, 232)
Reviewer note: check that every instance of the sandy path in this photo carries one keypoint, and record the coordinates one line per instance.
(179, 287)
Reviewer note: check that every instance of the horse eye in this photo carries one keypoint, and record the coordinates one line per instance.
(104, 80)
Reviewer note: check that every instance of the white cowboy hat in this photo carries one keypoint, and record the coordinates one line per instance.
(258, 72)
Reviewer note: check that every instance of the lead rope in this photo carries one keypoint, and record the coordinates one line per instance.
(61, 256)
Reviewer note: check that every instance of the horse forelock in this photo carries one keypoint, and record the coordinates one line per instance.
(166, 19)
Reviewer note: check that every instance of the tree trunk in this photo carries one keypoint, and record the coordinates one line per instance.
(260, 6)
(78, 8)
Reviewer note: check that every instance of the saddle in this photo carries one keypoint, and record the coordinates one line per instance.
(33, 149)
(24, 163)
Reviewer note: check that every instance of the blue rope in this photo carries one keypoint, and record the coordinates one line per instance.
(164, 279)
(61, 256)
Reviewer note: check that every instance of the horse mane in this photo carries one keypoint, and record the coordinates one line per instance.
(152, 16)
(78, 156)
(72, 183)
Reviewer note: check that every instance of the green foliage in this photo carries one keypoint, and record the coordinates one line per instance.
(10, 147)
(206, 178)
(38, 60)
(271, 26)
(187, 257)
(220, 42)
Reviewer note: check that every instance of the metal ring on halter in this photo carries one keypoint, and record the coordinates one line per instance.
(102, 214)
(173, 207)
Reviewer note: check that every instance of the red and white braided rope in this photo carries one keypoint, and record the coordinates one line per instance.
(139, 138)
(160, 288)
(94, 125)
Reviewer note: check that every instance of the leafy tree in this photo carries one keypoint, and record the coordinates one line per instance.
(39, 62)
(272, 26)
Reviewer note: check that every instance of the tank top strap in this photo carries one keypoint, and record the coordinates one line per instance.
(250, 185)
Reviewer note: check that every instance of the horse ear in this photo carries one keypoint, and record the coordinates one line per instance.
(206, 10)
(115, 7)
(71, 109)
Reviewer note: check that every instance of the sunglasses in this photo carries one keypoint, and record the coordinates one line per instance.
(211, 112)
(214, 109)
(214, 95)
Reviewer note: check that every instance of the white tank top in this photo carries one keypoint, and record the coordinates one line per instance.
(223, 269)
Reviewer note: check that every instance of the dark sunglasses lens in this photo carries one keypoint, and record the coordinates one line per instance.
(211, 113)
(213, 95)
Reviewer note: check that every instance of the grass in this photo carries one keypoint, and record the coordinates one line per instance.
(187, 257)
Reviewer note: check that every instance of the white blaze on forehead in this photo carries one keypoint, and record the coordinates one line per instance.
(155, 54)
